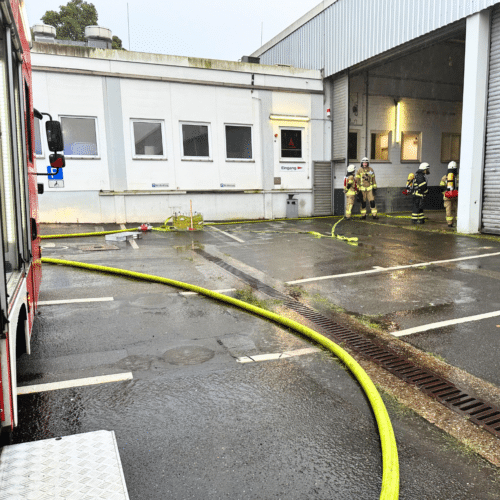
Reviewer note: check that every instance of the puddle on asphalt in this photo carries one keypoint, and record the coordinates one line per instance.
(193, 246)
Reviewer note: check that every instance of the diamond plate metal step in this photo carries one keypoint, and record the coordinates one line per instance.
(81, 467)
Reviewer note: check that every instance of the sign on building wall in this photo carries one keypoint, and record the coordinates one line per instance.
(55, 178)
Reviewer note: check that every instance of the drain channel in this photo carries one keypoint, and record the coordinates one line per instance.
(462, 402)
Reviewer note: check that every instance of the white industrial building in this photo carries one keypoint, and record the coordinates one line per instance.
(399, 81)
(147, 134)
(410, 81)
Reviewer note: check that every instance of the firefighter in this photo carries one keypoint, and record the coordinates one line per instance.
(416, 185)
(350, 190)
(449, 188)
(367, 186)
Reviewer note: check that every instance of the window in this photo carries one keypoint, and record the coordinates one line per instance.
(38, 138)
(450, 147)
(353, 146)
(291, 143)
(238, 142)
(379, 146)
(80, 137)
(148, 139)
(410, 146)
(195, 140)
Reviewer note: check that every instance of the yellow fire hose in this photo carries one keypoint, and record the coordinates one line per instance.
(390, 463)
(75, 235)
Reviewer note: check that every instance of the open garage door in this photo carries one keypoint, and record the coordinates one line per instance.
(491, 188)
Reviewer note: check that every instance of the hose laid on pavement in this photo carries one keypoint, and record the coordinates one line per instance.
(390, 463)
(76, 235)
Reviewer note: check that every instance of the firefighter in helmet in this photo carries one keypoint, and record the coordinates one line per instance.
(449, 188)
(350, 190)
(416, 185)
(367, 185)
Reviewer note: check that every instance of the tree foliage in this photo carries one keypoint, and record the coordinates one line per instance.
(71, 20)
(117, 43)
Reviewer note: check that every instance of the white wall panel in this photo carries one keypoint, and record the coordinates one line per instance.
(59, 97)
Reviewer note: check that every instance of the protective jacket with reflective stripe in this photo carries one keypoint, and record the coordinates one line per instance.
(417, 184)
(365, 178)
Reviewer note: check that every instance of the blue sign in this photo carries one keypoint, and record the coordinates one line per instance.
(55, 176)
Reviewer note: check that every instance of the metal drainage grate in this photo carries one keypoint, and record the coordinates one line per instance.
(478, 411)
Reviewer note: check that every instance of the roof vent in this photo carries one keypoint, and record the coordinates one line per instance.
(99, 37)
(250, 59)
(44, 33)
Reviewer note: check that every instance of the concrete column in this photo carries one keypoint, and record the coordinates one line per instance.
(266, 100)
(477, 47)
(113, 115)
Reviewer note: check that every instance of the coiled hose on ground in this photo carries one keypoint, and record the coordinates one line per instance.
(390, 463)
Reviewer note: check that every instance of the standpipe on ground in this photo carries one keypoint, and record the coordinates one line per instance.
(390, 463)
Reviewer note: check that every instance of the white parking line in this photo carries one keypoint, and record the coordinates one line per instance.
(227, 234)
(68, 384)
(440, 324)
(394, 268)
(278, 355)
(132, 242)
(73, 301)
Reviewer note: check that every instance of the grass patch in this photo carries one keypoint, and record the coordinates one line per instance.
(248, 295)
(437, 356)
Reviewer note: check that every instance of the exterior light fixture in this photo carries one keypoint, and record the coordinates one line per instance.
(289, 118)
(397, 113)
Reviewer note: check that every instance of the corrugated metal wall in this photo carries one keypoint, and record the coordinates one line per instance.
(351, 31)
(340, 103)
(304, 44)
(491, 188)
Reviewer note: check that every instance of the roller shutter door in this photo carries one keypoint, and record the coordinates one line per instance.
(322, 189)
(491, 187)
(340, 104)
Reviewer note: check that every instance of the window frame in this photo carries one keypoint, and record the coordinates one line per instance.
(419, 150)
(135, 156)
(451, 135)
(288, 158)
(98, 147)
(248, 160)
(377, 132)
(209, 133)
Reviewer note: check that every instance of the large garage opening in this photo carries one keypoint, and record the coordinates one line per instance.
(405, 110)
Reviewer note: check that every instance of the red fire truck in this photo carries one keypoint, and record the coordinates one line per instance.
(27, 469)
(20, 267)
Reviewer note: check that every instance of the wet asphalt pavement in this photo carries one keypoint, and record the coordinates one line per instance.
(195, 424)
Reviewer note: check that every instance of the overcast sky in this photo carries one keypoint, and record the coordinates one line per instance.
(218, 29)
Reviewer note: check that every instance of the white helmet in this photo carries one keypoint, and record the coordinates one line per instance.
(424, 166)
(365, 160)
(452, 164)
(351, 168)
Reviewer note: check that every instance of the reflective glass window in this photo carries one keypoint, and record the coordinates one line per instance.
(238, 142)
(148, 138)
(80, 136)
(195, 141)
